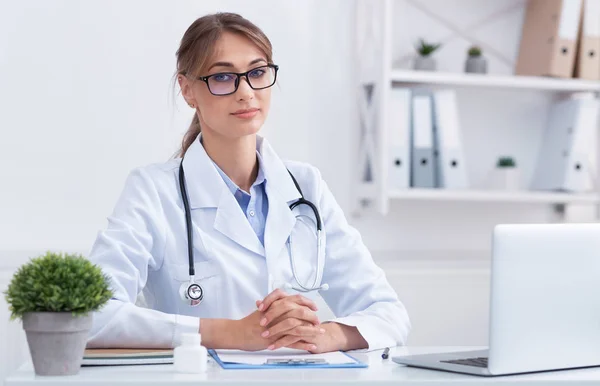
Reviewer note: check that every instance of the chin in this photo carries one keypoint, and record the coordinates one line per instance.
(248, 128)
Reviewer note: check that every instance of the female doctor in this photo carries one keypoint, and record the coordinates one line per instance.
(228, 239)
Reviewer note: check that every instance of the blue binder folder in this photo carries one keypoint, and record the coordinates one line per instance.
(289, 363)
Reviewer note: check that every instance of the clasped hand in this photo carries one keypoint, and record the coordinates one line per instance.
(283, 320)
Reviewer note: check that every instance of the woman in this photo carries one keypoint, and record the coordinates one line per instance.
(255, 261)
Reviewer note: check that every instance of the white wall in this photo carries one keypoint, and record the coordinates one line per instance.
(85, 96)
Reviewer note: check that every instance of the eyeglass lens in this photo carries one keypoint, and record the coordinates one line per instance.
(226, 83)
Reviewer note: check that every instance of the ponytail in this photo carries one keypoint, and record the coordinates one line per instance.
(190, 135)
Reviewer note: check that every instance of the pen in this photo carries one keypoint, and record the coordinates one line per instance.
(386, 353)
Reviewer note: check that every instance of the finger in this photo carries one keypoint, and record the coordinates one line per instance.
(280, 319)
(305, 332)
(303, 301)
(293, 327)
(303, 345)
(298, 299)
(310, 320)
(281, 327)
(270, 298)
(304, 314)
(277, 309)
(284, 341)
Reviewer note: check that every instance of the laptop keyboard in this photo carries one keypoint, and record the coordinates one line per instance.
(477, 362)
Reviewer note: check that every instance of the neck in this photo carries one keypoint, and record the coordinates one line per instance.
(236, 157)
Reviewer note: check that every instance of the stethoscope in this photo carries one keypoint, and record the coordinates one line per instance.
(192, 293)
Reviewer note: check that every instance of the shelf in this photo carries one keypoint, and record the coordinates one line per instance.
(494, 81)
(494, 196)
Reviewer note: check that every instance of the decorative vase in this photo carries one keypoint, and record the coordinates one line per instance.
(476, 64)
(57, 341)
(505, 178)
(424, 63)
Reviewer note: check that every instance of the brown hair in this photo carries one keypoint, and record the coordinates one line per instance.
(197, 47)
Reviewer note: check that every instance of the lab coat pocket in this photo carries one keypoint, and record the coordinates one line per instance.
(209, 278)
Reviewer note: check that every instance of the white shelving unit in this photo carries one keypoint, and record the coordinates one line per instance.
(494, 196)
(376, 77)
(496, 81)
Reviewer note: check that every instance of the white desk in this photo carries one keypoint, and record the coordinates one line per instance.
(380, 372)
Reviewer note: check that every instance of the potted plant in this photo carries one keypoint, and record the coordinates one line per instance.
(54, 295)
(475, 63)
(506, 174)
(424, 59)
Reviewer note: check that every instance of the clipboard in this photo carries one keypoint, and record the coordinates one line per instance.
(278, 363)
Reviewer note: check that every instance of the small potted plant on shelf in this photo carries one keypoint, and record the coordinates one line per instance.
(475, 62)
(54, 295)
(506, 174)
(424, 59)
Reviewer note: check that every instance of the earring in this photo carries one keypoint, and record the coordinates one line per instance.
(192, 105)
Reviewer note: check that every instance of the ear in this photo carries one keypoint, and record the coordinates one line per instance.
(186, 90)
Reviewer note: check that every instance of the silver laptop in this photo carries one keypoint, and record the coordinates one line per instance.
(544, 303)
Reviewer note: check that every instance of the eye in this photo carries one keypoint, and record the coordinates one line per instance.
(222, 77)
(257, 73)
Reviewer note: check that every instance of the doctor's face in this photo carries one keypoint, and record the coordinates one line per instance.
(238, 113)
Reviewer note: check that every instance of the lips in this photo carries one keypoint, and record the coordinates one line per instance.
(245, 111)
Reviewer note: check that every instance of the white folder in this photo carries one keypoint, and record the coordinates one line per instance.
(450, 159)
(422, 164)
(567, 158)
(399, 138)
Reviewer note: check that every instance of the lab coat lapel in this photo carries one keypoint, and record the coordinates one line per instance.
(231, 221)
(206, 190)
(280, 222)
(281, 192)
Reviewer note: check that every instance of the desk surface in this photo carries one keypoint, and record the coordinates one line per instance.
(380, 372)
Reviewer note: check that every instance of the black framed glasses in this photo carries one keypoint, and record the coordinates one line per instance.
(226, 83)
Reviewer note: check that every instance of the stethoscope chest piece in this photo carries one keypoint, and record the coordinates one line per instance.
(192, 293)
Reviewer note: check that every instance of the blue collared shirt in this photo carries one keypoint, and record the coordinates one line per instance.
(253, 204)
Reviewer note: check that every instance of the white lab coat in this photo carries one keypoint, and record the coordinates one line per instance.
(144, 248)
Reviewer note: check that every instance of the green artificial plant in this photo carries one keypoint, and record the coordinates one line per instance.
(474, 51)
(506, 162)
(57, 283)
(426, 49)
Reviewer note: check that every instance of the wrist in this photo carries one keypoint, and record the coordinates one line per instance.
(337, 340)
(218, 333)
(345, 337)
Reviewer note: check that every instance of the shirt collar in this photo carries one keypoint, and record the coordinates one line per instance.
(207, 194)
(260, 177)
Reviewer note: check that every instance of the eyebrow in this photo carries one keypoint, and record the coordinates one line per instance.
(227, 64)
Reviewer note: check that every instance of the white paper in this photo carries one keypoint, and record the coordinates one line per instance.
(569, 19)
(591, 18)
(260, 357)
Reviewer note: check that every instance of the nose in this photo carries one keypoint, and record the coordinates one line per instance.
(244, 91)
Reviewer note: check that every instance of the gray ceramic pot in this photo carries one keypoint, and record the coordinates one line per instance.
(424, 63)
(476, 64)
(56, 341)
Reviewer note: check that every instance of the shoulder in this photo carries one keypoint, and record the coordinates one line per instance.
(160, 176)
(309, 179)
(303, 171)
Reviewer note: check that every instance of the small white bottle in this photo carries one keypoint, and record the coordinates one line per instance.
(190, 356)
